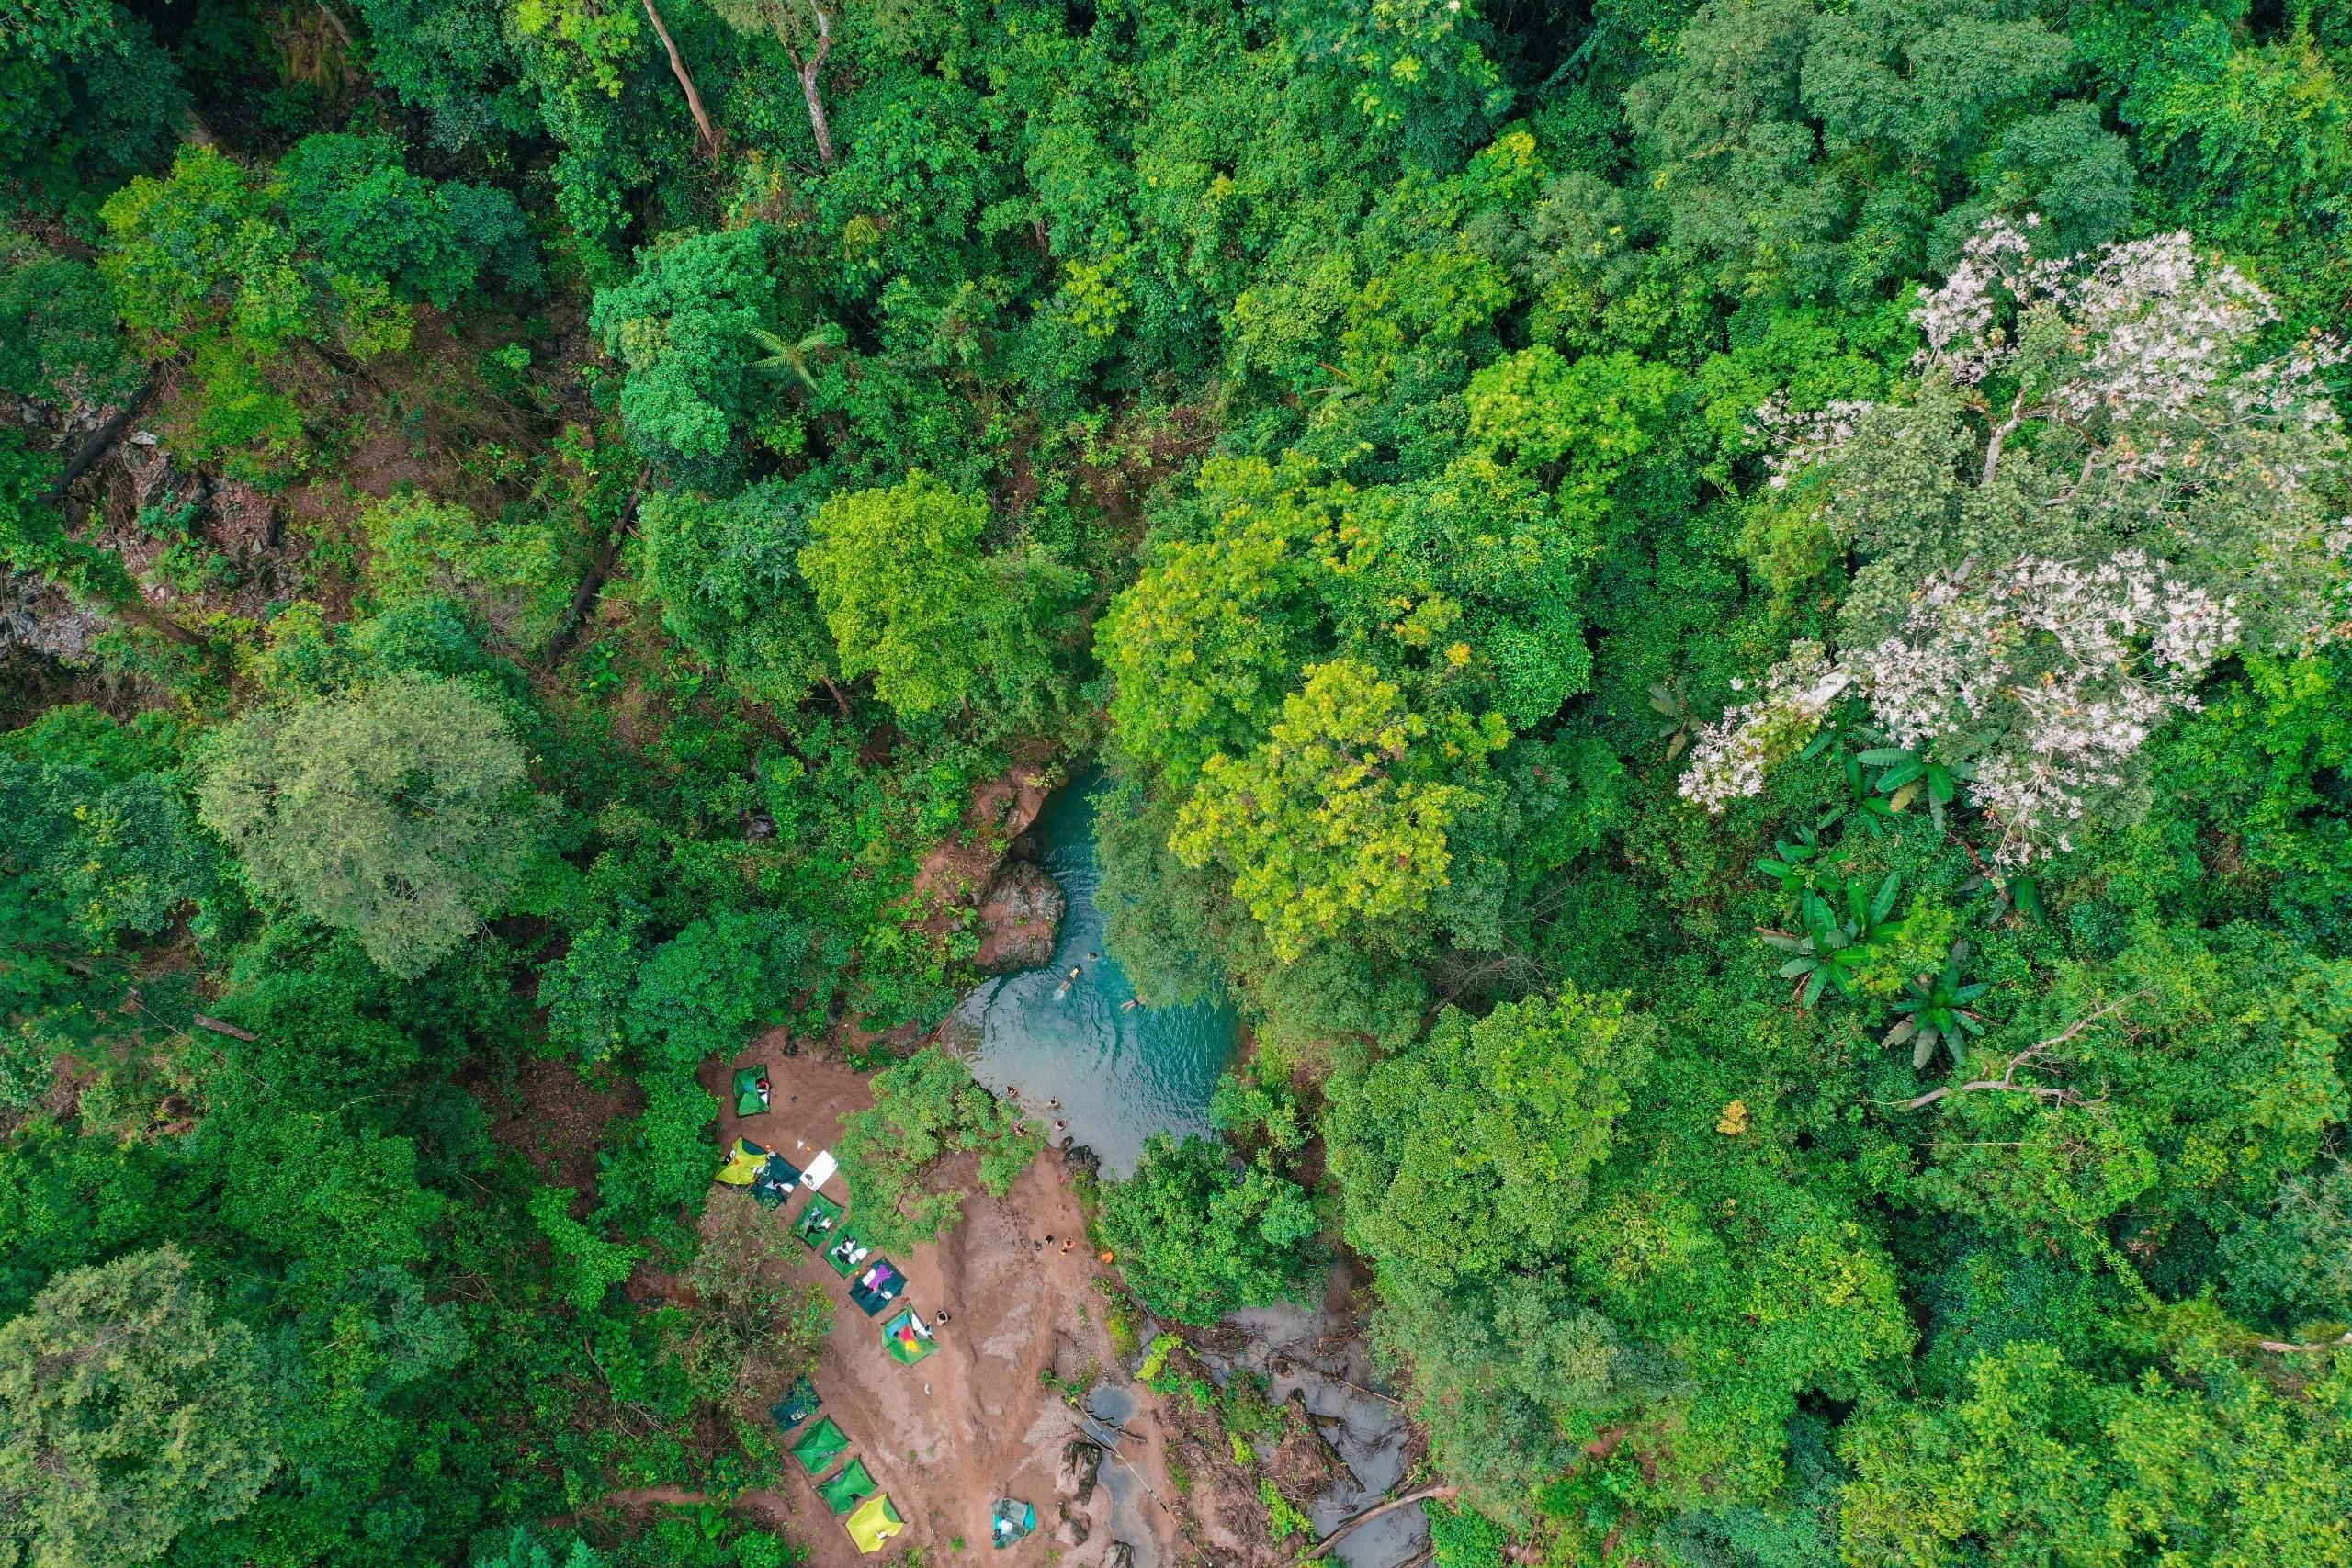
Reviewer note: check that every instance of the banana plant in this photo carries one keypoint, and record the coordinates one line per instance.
(793, 359)
(1799, 866)
(1910, 775)
(1681, 726)
(1836, 948)
(1863, 803)
(1937, 1011)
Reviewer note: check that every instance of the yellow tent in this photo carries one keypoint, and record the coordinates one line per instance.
(743, 1162)
(874, 1522)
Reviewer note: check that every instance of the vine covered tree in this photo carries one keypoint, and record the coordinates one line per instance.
(401, 812)
(128, 1411)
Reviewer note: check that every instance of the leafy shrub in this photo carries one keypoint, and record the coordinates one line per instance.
(924, 1108)
(586, 1264)
(1197, 1239)
(351, 202)
(391, 812)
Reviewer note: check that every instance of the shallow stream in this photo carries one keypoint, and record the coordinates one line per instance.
(1120, 1072)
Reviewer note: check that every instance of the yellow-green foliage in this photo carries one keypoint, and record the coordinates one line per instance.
(910, 597)
(1337, 822)
(514, 565)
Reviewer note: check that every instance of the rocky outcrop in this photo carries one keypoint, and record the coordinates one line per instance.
(38, 618)
(1021, 911)
(1081, 1463)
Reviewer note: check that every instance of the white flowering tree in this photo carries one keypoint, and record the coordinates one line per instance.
(2094, 490)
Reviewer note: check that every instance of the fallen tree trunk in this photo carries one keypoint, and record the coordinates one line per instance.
(100, 442)
(1442, 1493)
(582, 600)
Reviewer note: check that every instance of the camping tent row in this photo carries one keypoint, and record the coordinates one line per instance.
(851, 1490)
(873, 1282)
(773, 1178)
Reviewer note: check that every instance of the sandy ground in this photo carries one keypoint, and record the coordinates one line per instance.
(976, 1421)
(985, 1416)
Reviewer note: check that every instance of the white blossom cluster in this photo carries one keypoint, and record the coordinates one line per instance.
(1732, 754)
(2052, 674)
(2143, 337)
(2074, 667)
(1965, 321)
(1799, 440)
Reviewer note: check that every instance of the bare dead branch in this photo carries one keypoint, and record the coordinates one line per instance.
(2006, 1083)
(100, 441)
(678, 69)
(809, 70)
(1443, 1493)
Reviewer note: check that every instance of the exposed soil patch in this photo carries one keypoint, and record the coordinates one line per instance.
(997, 1411)
(546, 1113)
(976, 1420)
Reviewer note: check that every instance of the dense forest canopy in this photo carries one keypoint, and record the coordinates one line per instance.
(1725, 623)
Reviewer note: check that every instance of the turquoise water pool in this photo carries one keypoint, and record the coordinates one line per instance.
(1121, 1073)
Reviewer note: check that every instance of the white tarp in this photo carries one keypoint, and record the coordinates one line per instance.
(820, 1171)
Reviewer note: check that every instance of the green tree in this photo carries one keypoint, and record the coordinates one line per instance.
(689, 328)
(806, 28)
(85, 93)
(587, 1265)
(34, 540)
(1808, 150)
(2202, 1462)
(1197, 1239)
(1514, 1375)
(128, 1413)
(515, 567)
(402, 812)
(924, 1109)
(730, 577)
(203, 260)
(909, 596)
(1469, 1153)
(1338, 820)
(1214, 630)
(60, 340)
(353, 204)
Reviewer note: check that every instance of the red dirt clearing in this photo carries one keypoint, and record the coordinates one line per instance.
(974, 1422)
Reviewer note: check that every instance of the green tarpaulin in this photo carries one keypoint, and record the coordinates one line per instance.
(876, 1286)
(907, 1338)
(775, 1181)
(818, 1221)
(750, 1090)
(824, 1445)
(848, 1254)
(853, 1486)
(798, 1406)
(1011, 1519)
